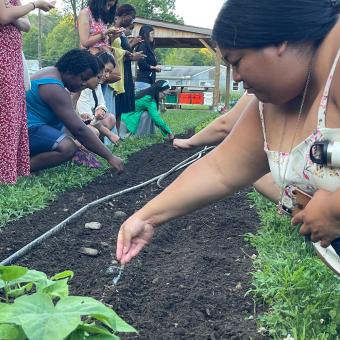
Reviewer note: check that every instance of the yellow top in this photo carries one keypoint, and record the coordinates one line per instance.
(119, 54)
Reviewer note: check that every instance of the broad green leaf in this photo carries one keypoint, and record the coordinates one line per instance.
(94, 329)
(96, 309)
(11, 332)
(30, 276)
(10, 273)
(5, 313)
(63, 275)
(116, 323)
(103, 337)
(40, 320)
(57, 288)
(78, 334)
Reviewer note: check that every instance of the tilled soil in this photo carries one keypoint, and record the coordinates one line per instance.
(189, 283)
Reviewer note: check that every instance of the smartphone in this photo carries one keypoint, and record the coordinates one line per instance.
(301, 199)
(296, 203)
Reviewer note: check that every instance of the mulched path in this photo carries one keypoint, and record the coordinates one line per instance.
(190, 283)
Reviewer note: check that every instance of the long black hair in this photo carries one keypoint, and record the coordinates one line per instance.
(261, 23)
(144, 33)
(98, 11)
(153, 90)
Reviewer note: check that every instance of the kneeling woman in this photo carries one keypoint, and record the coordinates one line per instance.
(50, 110)
(143, 120)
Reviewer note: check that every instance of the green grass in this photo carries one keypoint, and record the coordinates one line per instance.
(302, 294)
(34, 193)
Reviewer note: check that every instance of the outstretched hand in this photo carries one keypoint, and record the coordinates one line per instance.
(117, 163)
(44, 5)
(133, 235)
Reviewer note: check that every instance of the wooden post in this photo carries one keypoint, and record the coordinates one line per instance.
(218, 60)
(227, 87)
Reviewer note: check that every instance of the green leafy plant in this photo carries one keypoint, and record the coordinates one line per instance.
(36, 307)
(301, 294)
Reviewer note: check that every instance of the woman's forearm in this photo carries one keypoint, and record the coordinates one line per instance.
(8, 15)
(220, 128)
(213, 134)
(188, 193)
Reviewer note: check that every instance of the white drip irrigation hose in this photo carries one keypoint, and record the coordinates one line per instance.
(27, 248)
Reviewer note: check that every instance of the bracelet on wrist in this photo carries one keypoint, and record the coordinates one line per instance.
(34, 7)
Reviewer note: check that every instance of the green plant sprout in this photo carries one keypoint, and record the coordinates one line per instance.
(36, 307)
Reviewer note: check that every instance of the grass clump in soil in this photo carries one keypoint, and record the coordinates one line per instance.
(302, 294)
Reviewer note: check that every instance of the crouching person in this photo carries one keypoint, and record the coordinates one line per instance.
(91, 105)
(50, 111)
(146, 117)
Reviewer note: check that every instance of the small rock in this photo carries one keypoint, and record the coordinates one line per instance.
(65, 209)
(155, 280)
(239, 286)
(89, 251)
(119, 214)
(104, 244)
(93, 225)
(111, 204)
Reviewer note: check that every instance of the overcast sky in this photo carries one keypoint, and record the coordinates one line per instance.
(201, 13)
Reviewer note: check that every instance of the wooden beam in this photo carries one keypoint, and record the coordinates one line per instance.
(206, 45)
(218, 60)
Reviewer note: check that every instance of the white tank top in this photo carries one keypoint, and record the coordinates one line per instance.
(297, 168)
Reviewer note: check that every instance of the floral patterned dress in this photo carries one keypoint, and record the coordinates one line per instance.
(14, 150)
(296, 167)
(97, 27)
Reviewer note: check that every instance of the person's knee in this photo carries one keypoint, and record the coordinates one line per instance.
(109, 121)
(67, 148)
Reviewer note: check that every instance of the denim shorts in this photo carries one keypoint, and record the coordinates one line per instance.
(44, 138)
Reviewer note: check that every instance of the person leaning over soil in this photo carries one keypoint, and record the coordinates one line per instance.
(50, 110)
(91, 105)
(146, 117)
(217, 131)
(286, 53)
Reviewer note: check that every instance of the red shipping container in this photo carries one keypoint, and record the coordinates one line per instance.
(197, 98)
(184, 98)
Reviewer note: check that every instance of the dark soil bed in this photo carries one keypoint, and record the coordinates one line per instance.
(190, 283)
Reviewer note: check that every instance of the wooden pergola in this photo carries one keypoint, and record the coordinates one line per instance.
(170, 35)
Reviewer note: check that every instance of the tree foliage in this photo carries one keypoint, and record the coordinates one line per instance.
(61, 39)
(30, 39)
(188, 56)
(156, 9)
